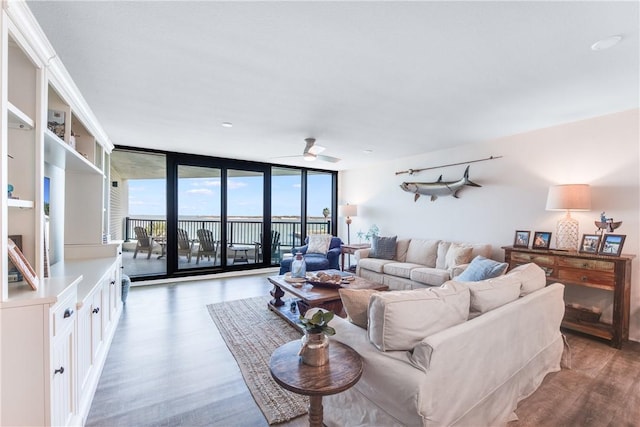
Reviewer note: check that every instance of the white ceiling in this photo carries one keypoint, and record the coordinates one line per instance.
(397, 78)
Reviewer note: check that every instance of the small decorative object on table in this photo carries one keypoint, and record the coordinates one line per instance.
(315, 342)
(541, 240)
(606, 224)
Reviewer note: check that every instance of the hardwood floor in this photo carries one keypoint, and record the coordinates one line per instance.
(168, 366)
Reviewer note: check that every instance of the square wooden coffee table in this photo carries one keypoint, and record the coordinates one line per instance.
(308, 296)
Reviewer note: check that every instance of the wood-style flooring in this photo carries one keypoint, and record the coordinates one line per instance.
(169, 366)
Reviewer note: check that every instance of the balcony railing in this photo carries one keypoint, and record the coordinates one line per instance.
(239, 231)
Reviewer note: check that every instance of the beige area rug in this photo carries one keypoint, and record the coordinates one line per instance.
(252, 332)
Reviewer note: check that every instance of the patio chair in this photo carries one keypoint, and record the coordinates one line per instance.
(275, 247)
(184, 244)
(208, 245)
(145, 243)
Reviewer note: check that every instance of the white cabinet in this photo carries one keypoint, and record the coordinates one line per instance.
(54, 340)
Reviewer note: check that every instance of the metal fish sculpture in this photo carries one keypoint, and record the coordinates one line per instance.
(438, 188)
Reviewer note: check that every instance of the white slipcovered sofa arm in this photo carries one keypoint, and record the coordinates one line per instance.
(361, 253)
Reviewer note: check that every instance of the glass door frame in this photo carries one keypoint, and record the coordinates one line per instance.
(174, 160)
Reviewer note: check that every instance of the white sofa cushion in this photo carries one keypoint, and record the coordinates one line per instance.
(400, 269)
(423, 251)
(399, 320)
(402, 246)
(373, 264)
(443, 247)
(492, 293)
(429, 276)
(532, 278)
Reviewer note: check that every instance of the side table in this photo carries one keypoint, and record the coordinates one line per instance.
(351, 249)
(341, 372)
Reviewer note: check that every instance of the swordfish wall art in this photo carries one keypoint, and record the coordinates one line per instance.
(438, 188)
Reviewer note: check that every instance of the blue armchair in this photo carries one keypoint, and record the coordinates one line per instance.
(316, 262)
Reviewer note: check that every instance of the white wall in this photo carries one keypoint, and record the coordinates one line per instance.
(603, 152)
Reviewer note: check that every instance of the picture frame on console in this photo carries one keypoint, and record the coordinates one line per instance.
(541, 240)
(590, 244)
(521, 240)
(612, 244)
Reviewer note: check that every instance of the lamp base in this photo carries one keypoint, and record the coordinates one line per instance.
(567, 234)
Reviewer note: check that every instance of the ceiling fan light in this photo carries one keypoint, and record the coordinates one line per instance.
(309, 157)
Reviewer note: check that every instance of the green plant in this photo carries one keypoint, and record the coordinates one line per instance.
(318, 323)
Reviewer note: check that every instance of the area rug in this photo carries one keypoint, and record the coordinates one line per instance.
(252, 332)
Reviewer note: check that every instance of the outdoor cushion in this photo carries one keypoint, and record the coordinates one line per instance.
(429, 276)
(373, 264)
(422, 251)
(482, 268)
(383, 247)
(401, 319)
(400, 269)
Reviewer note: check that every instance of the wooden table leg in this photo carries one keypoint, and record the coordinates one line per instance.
(342, 256)
(315, 411)
(277, 293)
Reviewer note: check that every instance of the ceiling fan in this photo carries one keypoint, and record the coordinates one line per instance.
(312, 152)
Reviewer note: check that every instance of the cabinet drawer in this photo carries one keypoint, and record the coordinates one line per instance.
(589, 264)
(587, 277)
(537, 258)
(64, 314)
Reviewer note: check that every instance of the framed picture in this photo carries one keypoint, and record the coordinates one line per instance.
(522, 239)
(590, 243)
(541, 240)
(21, 263)
(612, 244)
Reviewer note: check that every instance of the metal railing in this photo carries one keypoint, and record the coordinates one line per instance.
(241, 231)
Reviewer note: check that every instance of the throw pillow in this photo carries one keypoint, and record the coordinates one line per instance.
(456, 255)
(482, 268)
(319, 244)
(383, 247)
(356, 304)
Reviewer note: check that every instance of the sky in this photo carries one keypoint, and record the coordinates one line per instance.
(201, 196)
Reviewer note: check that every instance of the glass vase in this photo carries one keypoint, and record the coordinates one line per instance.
(298, 267)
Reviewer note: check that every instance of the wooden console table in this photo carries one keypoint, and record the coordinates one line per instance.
(609, 273)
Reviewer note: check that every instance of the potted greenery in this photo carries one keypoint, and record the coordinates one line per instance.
(315, 342)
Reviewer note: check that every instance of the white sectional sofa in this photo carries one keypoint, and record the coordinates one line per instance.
(463, 354)
(419, 263)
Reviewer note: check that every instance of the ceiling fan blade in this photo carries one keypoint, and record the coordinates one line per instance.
(328, 159)
(316, 149)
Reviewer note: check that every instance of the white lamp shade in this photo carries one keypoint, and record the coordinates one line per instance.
(575, 197)
(349, 210)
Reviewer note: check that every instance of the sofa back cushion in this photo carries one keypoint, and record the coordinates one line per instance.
(457, 254)
(383, 247)
(399, 320)
(532, 278)
(423, 252)
(476, 249)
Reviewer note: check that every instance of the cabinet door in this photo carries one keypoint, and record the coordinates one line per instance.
(84, 347)
(62, 387)
(96, 324)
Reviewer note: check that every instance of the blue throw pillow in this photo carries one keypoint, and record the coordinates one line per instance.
(383, 247)
(482, 268)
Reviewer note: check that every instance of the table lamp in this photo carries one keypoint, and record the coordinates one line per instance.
(348, 211)
(568, 197)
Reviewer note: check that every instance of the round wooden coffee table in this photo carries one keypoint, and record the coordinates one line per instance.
(341, 372)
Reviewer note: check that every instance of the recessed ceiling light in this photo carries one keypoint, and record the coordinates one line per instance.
(367, 151)
(606, 43)
(227, 124)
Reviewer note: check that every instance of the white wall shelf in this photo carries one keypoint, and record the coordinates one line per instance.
(62, 155)
(18, 119)
(19, 203)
